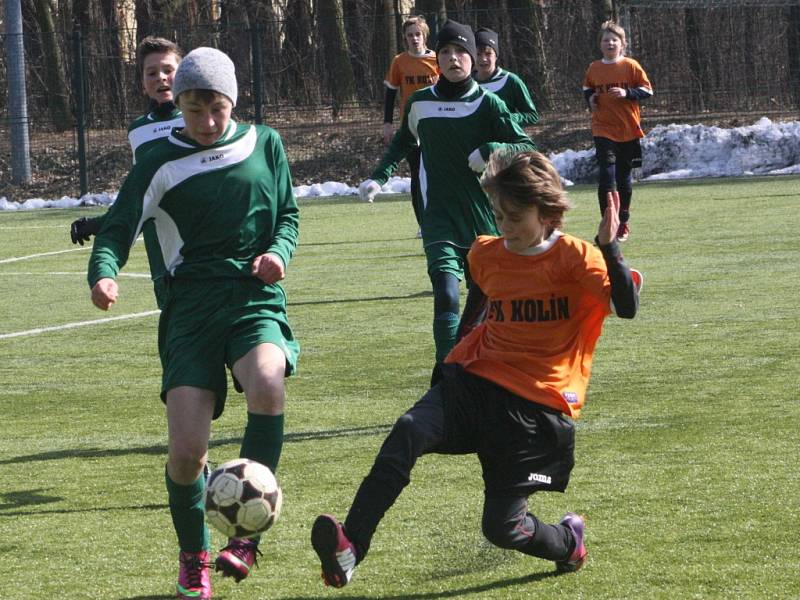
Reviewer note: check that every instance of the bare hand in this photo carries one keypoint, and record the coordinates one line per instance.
(607, 232)
(388, 133)
(268, 268)
(617, 92)
(105, 293)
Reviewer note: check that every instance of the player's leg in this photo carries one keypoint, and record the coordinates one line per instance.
(605, 154)
(446, 270)
(629, 157)
(526, 448)
(341, 547)
(260, 365)
(194, 390)
(506, 523)
(189, 412)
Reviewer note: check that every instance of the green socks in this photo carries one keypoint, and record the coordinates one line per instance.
(263, 439)
(188, 514)
(445, 329)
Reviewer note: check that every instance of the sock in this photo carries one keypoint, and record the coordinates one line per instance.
(625, 205)
(445, 328)
(263, 439)
(186, 505)
(263, 442)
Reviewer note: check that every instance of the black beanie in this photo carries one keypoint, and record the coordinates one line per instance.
(460, 35)
(486, 37)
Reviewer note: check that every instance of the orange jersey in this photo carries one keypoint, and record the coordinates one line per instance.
(546, 312)
(616, 118)
(409, 73)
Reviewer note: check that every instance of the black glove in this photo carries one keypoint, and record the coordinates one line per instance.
(83, 229)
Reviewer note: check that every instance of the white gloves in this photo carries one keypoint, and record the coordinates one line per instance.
(368, 189)
(476, 162)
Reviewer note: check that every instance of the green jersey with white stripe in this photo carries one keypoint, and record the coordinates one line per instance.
(214, 208)
(447, 130)
(143, 133)
(151, 127)
(515, 94)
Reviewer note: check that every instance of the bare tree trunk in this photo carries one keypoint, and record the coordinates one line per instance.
(541, 78)
(604, 10)
(117, 98)
(697, 70)
(54, 78)
(793, 47)
(338, 70)
(390, 16)
(298, 51)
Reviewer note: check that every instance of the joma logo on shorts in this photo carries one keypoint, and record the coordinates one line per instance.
(539, 477)
(212, 158)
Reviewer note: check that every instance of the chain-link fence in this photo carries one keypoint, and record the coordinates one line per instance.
(706, 59)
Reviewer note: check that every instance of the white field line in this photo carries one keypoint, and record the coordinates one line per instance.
(37, 331)
(24, 227)
(72, 273)
(29, 256)
(41, 254)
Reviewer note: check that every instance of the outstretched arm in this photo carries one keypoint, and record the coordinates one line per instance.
(624, 291)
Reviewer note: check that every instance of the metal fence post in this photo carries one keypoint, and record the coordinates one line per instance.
(257, 74)
(80, 109)
(17, 94)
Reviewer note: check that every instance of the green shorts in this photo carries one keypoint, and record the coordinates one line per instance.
(209, 324)
(444, 257)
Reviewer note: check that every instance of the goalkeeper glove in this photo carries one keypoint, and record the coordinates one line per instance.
(368, 190)
(83, 229)
(476, 162)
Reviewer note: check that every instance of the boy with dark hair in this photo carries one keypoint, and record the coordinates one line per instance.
(157, 61)
(512, 386)
(457, 125)
(505, 84)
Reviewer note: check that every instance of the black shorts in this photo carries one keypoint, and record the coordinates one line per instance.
(609, 152)
(523, 447)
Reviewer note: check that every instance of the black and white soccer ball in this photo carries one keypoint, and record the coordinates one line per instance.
(243, 498)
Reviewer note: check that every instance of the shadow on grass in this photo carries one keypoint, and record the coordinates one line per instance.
(454, 593)
(423, 294)
(161, 449)
(4, 512)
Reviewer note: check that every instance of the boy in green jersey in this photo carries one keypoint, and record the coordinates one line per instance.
(457, 126)
(157, 60)
(220, 196)
(504, 83)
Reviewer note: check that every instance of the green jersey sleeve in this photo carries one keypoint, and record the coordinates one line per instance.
(284, 239)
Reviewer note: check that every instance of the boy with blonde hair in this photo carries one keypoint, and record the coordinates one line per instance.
(613, 87)
(412, 70)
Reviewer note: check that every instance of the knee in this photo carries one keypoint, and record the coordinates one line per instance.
(446, 292)
(186, 461)
(500, 533)
(265, 394)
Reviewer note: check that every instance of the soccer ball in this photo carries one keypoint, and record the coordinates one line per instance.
(243, 498)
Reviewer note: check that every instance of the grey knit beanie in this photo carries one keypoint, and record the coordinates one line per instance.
(206, 69)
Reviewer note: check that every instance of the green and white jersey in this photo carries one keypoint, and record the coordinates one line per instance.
(143, 133)
(515, 94)
(214, 208)
(447, 130)
(145, 130)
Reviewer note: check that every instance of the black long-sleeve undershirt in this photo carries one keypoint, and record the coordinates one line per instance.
(624, 295)
(388, 105)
